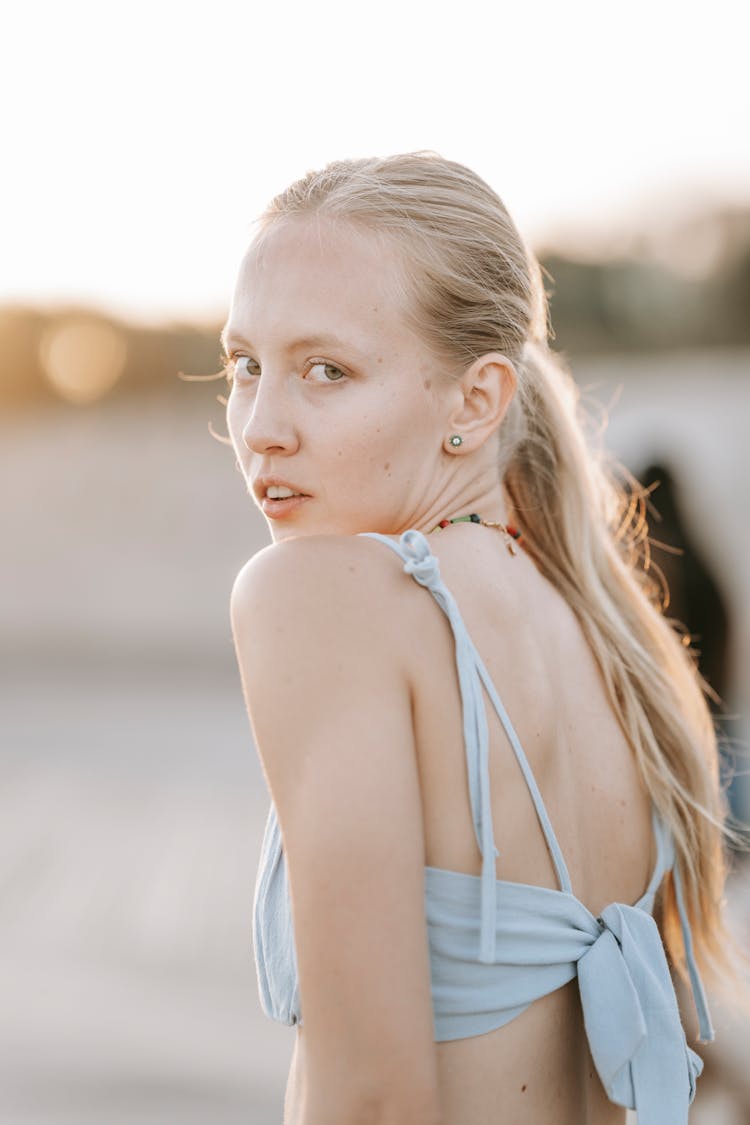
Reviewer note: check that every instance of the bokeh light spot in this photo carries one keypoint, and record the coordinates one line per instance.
(82, 358)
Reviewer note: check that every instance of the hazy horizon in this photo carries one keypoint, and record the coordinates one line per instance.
(142, 148)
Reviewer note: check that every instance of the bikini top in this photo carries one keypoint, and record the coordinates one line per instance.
(496, 946)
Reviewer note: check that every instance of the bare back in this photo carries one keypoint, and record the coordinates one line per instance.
(540, 661)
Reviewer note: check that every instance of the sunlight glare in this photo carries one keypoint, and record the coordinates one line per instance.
(82, 358)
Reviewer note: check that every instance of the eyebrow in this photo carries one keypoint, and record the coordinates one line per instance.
(323, 339)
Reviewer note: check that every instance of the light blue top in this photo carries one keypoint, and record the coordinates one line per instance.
(496, 946)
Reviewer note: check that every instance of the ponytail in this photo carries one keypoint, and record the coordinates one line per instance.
(589, 538)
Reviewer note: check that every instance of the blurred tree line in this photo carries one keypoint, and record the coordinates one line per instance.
(691, 289)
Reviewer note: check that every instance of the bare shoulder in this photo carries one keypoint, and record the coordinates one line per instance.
(331, 711)
(332, 582)
(311, 608)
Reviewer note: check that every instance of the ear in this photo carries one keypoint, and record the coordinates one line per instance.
(484, 393)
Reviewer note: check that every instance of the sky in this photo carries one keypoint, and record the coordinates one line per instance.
(141, 140)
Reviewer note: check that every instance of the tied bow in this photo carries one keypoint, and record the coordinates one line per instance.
(419, 561)
(632, 1020)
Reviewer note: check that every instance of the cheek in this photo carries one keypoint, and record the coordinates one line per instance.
(413, 419)
(396, 440)
(235, 425)
(234, 416)
(377, 435)
(411, 409)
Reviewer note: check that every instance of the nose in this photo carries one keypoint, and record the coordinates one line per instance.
(270, 426)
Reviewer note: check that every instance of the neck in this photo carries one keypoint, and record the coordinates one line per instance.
(491, 503)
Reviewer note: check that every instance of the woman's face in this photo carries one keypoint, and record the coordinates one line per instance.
(333, 396)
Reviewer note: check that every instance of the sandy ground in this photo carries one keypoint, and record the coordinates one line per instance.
(130, 834)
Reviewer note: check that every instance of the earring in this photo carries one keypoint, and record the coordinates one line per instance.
(456, 439)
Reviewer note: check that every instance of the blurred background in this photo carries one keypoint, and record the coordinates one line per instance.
(140, 144)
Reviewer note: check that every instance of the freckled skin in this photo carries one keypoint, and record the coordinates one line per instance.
(303, 283)
(288, 419)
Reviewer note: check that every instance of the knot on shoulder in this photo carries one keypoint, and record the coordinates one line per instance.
(419, 561)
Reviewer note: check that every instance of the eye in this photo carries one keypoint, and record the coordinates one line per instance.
(243, 366)
(330, 373)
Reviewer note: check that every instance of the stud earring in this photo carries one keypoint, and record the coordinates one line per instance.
(456, 439)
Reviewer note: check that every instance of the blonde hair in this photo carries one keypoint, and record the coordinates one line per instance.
(471, 287)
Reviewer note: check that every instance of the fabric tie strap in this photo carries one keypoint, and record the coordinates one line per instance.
(421, 564)
(632, 1020)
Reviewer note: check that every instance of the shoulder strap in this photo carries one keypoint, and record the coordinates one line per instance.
(413, 549)
(705, 1029)
(523, 761)
(666, 861)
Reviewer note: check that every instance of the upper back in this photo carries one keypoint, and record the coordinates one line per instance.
(537, 655)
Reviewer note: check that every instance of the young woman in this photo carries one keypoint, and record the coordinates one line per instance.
(490, 758)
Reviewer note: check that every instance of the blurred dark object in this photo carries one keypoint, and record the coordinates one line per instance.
(694, 596)
(696, 603)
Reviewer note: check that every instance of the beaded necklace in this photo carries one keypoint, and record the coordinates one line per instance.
(511, 533)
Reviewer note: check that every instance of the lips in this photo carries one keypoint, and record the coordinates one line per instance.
(283, 508)
(262, 484)
(276, 492)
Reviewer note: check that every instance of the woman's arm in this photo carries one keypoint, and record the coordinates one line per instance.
(316, 630)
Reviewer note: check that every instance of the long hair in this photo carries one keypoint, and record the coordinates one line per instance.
(472, 286)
